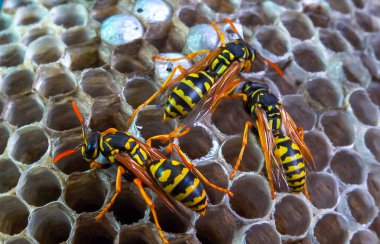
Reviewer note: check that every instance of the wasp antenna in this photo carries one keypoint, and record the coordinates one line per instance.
(233, 27)
(64, 154)
(220, 33)
(77, 112)
(274, 66)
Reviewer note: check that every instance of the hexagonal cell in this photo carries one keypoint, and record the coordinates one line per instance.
(230, 116)
(325, 93)
(30, 14)
(197, 143)
(332, 40)
(262, 233)
(374, 41)
(215, 174)
(252, 198)
(101, 120)
(319, 147)
(4, 136)
(358, 3)
(11, 55)
(28, 144)
(19, 240)
(355, 71)
(138, 234)
(318, 14)
(273, 39)
(35, 33)
(61, 117)
(366, 22)
(375, 226)
(13, 215)
(74, 162)
(372, 141)
(103, 9)
(5, 21)
(338, 127)
(17, 82)
(342, 6)
(191, 16)
(209, 232)
(300, 111)
(85, 226)
(298, 25)
(23, 110)
(9, 175)
(80, 57)
(292, 216)
(69, 15)
(331, 228)
(355, 174)
(373, 184)
(39, 186)
(7, 37)
(350, 33)
(308, 57)
(129, 206)
(50, 224)
(138, 89)
(224, 6)
(252, 158)
(85, 192)
(323, 190)
(11, 6)
(52, 3)
(46, 49)
(54, 80)
(364, 236)
(363, 108)
(374, 92)
(361, 205)
(78, 35)
(98, 82)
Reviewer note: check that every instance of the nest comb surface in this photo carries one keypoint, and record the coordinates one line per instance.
(54, 51)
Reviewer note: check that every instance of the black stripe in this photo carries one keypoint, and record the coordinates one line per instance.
(295, 181)
(181, 187)
(181, 102)
(296, 172)
(197, 192)
(198, 204)
(286, 166)
(175, 171)
(190, 92)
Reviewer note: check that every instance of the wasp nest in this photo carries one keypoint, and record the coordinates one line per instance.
(98, 53)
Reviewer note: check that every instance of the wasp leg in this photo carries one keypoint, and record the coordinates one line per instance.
(222, 37)
(306, 191)
(120, 171)
(191, 167)
(189, 56)
(97, 165)
(168, 82)
(248, 125)
(109, 131)
(174, 134)
(237, 95)
(150, 204)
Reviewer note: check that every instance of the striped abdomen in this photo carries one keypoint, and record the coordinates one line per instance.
(187, 94)
(289, 156)
(179, 182)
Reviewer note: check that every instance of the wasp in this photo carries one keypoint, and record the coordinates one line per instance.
(203, 80)
(284, 153)
(143, 165)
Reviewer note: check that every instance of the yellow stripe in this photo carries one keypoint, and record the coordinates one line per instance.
(297, 183)
(179, 108)
(189, 190)
(192, 86)
(101, 144)
(138, 159)
(165, 175)
(154, 167)
(196, 200)
(222, 69)
(296, 176)
(226, 60)
(208, 77)
(128, 143)
(216, 61)
(135, 148)
(182, 95)
(177, 180)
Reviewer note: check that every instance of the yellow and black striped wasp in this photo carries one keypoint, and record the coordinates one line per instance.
(143, 165)
(194, 84)
(287, 154)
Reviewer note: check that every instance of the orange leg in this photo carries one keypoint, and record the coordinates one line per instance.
(237, 95)
(220, 33)
(248, 125)
(97, 165)
(189, 56)
(150, 204)
(191, 167)
(109, 131)
(174, 134)
(306, 191)
(168, 82)
(120, 171)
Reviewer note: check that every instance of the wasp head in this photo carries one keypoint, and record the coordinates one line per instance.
(90, 147)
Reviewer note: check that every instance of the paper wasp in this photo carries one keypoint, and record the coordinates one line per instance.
(205, 77)
(143, 165)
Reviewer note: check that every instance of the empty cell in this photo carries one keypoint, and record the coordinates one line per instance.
(364, 236)
(28, 144)
(85, 192)
(23, 110)
(4, 136)
(273, 40)
(372, 141)
(17, 82)
(230, 116)
(308, 57)
(298, 108)
(78, 35)
(373, 183)
(50, 224)
(374, 41)
(318, 14)
(323, 190)
(363, 108)
(355, 71)
(69, 15)
(366, 22)
(142, 233)
(347, 29)
(197, 143)
(369, 61)
(332, 40)
(252, 159)
(138, 89)
(13, 215)
(325, 93)
(30, 14)
(88, 230)
(39, 186)
(223, 6)
(252, 198)
(103, 9)
(216, 175)
(124, 62)
(354, 174)
(11, 55)
(9, 175)
(191, 16)
(292, 216)
(319, 147)
(374, 92)
(5, 21)
(338, 127)
(7, 37)
(361, 205)
(61, 117)
(358, 3)
(217, 226)
(342, 6)
(34, 33)
(262, 233)
(331, 228)
(98, 82)
(46, 49)
(298, 25)
(80, 57)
